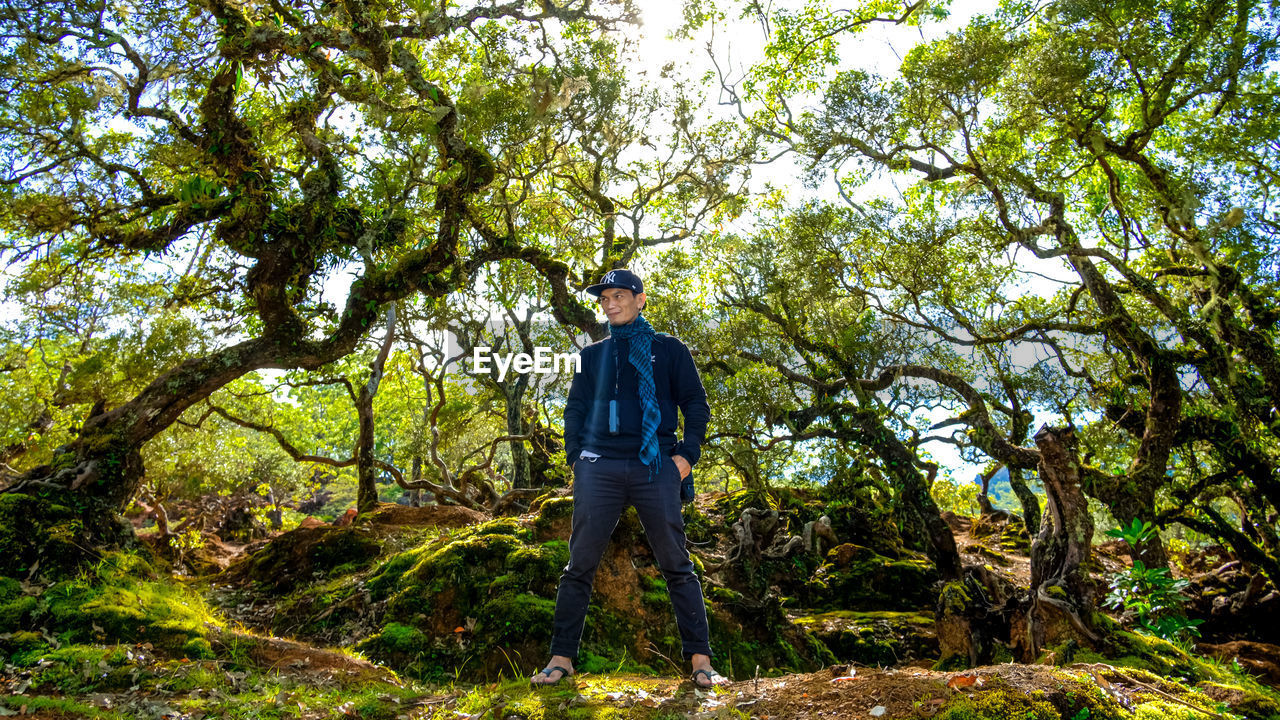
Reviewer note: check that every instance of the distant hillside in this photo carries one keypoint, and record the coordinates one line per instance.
(1001, 494)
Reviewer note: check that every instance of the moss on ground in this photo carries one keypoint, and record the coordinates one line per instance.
(470, 604)
(119, 600)
(299, 556)
(85, 681)
(1000, 705)
(589, 698)
(1245, 696)
(1158, 668)
(857, 578)
(877, 638)
(42, 537)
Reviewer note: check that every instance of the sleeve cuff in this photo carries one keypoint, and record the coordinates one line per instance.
(688, 453)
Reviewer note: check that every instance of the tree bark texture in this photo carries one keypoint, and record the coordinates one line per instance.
(367, 489)
(1062, 596)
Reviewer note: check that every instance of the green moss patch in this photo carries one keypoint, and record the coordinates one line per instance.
(39, 535)
(1000, 705)
(479, 601)
(553, 518)
(120, 600)
(301, 555)
(858, 578)
(874, 638)
(124, 601)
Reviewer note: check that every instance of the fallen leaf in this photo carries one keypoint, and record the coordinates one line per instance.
(964, 681)
(930, 708)
(1102, 682)
(878, 710)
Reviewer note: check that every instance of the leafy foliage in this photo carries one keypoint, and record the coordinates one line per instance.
(1151, 594)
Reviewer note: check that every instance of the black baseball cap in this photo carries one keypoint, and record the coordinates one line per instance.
(622, 278)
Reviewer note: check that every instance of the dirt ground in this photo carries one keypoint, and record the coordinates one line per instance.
(838, 692)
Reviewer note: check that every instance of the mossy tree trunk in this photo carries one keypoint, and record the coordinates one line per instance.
(1027, 499)
(900, 462)
(367, 492)
(520, 466)
(544, 441)
(1062, 597)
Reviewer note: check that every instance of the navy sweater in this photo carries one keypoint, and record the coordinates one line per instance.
(676, 382)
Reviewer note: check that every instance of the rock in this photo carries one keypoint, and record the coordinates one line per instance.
(856, 578)
(1260, 659)
(875, 638)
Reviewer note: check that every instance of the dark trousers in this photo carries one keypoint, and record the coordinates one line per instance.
(602, 489)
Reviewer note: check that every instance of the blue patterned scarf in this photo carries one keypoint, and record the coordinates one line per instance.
(640, 335)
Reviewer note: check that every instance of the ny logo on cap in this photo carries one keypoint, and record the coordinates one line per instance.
(609, 277)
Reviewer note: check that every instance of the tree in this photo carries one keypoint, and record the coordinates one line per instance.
(250, 156)
(1122, 151)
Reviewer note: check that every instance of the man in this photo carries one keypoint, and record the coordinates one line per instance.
(620, 437)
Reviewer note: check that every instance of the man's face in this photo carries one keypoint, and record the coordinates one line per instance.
(621, 306)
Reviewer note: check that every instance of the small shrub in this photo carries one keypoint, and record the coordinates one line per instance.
(1152, 595)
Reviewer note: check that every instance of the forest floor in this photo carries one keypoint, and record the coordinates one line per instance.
(248, 672)
(293, 680)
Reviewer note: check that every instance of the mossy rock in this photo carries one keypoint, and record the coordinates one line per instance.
(408, 649)
(554, 519)
(857, 578)
(874, 638)
(750, 635)
(21, 642)
(298, 556)
(36, 533)
(487, 596)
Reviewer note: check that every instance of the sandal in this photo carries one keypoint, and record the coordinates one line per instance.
(547, 671)
(713, 679)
